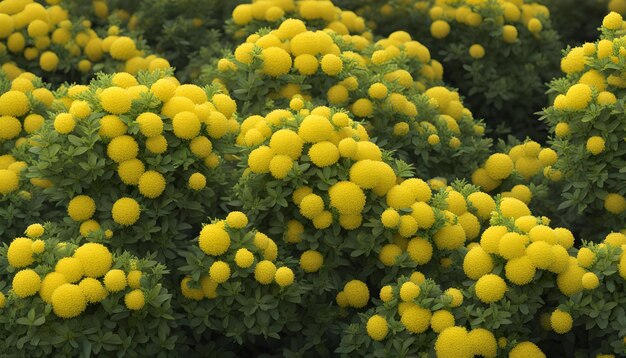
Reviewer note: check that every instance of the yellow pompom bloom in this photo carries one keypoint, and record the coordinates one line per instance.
(615, 203)
(237, 220)
(450, 237)
(123, 48)
(439, 29)
(219, 272)
(613, 21)
(490, 288)
(520, 270)
(111, 126)
(514, 208)
(122, 148)
(130, 171)
(50, 283)
(244, 258)
(456, 295)
(420, 250)
(509, 33)
(81, 208)
(214, 240)
(483, 342)
(347, 197)
(134, 279)
(416, 319)
(332, 65)
(409, 291)
(134, 300)
(525, 350)
(26, 283)
(535, 26)
(48, 61)
(499, 166)
(186, 125)
(561, 321)
(569, 281)
(540, 253)
(96, 259)
(595, 145)
(590, 281)
(151, 184)
(476, 51)
(311, 261)
(276, 61)
(68, 301)
(34, 230)
(115, 280)
(126, 211)
(323, 154)
(150, 124)
(64, 123)
(264, 272)
(71, 267)
(306, 64)
(377, 327)
(357, 293)
(579, 96)
(280, 166)
(284, 276)
(389, 253)
(14, 103)
(115, 100)
(441, 320)
(80, 109)
(477, 263)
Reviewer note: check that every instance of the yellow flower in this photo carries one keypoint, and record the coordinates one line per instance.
(244, 258)
(214, 240)
(441, 320)
(477, 51)
(130, 171)
(264, 272)
(81, 208)
(151, 184)
(115, 100)
(347, 197)
(595, 145)
(50, 283)
(357, 293)
(477, 263)
(311, 206)
(64, 123)
(520, 270)
(122, 148)
(483, 342)
(525, 350)
(561, 321)
(389, 253)
(150, 124)
(14, 103)
(280, 165)
(535, 26)
(123, 48)
(93, 289)
(111, 126)
(186, 125)
(409, 291)
(134, 300)
(453, 342)
(456, 295)
(10, 127)
(332, 65)
(284, 276)
(68, 301)
(377, 327)
(590, 281)
(613, 21)
(499, 166)
(615, 203)
(490, 288)
(126, 211)
(416, 319)
(276, 61)
(26, 283)
(219, 272)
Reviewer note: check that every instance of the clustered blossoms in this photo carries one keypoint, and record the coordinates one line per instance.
(154, 141)
(588, 132)
(54, 281)
(47, 41)
(498, 53)
(392, 85)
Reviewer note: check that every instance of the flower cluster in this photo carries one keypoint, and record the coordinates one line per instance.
(587, 130)
(46, 271)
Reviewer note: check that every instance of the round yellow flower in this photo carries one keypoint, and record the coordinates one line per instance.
(483, 342)
(134, 300)
(490, 288)
(81, 208)
(389, 253)
(439, 29)
(453, 342)
(219, 272)
(613, 21)
(332, 65)
(561, 321)
(323, 154)
(590, 281)
(115, 100)
(244, 258)
(347, 197)
(284, 276)
(377, 327)
(126, 211)
(115, 280)
(357, 293)
(476, 51)
(477, 263)
(123, 48)
(214, 240)
(525, 350)
(420, 250)
(595, 145)
(520, 270)
(14, 103)
(409, 291)
(276, 61)
(186, 125)
(26, 283)
(130, 171)
(151, 184)
(9, 181)
(613, 203)
(499, 166)
(68, 301)
(264, 272)
(150, 124)
(416, 319)
(64, 123)
(311, 261)
(122, 148)
(441, 320)
(10, 127)
(237, 220)
(96, 259)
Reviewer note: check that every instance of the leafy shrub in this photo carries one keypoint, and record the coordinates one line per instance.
(585, 121)
(66, 296)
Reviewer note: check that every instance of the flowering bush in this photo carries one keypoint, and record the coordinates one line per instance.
(50, 42)
(66, 296)
(497, 53)
(585, 121)
(430, 125)
(155, 142)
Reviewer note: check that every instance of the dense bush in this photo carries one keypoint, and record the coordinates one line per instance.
(320, 191)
